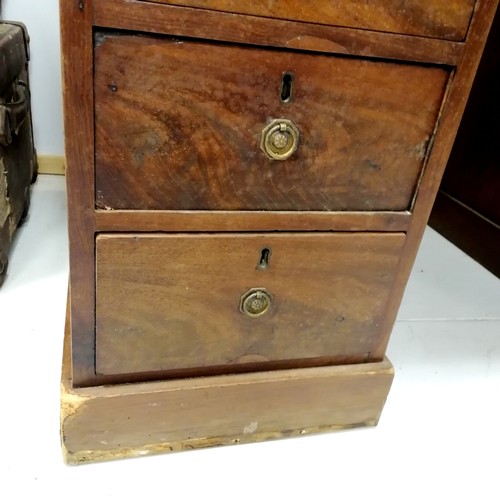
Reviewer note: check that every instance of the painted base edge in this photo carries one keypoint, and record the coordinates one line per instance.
(51, 165)
(132, 420)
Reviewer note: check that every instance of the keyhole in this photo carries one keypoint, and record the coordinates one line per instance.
(265, 255)
(286, 87)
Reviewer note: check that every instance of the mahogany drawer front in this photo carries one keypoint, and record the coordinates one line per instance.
(179, 125)
(433, 18)
(206, 303)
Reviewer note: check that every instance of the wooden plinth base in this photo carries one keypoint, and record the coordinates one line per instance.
(110, 422)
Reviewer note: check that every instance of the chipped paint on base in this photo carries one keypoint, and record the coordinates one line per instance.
(71, 402)
(89, 456)
(250, 428)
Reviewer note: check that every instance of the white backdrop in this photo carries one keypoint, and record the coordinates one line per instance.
(42, 19)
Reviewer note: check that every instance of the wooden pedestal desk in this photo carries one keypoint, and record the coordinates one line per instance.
(248, 183)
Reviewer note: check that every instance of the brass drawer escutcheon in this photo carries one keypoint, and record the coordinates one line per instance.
(280, 139)
(255, 302)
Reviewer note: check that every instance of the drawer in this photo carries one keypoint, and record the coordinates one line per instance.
(213, 303)
(188, 125)
(432, 18)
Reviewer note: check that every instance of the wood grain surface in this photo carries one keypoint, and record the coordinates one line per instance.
(172, 302)
(433, 18)
(467, 208)
(448, 126)
(132, 420)
(76, 47)
(172, 137)
(80, 19)
(147, 17)
(245, 221)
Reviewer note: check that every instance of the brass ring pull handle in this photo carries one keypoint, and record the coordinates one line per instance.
(255, 302)
(280, 139)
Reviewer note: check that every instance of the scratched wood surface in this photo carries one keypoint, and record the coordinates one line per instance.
(148, 17)
(445, 137)
(78, 21)
(467, 210)
(172, 302)
(76, 48)
(433, 18)
(131, 420)
(178, 126)
(248, 221)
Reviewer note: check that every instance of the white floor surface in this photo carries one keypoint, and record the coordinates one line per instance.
(438, 438)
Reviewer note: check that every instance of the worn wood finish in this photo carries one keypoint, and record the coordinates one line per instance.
(432, 18)
(448, 126)
(467, 209)
(76, 38)
(190, 140)
(472, 174)
(178, 21)
(174, 300)
(89, 413)
(131, 420)
(201, 221)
